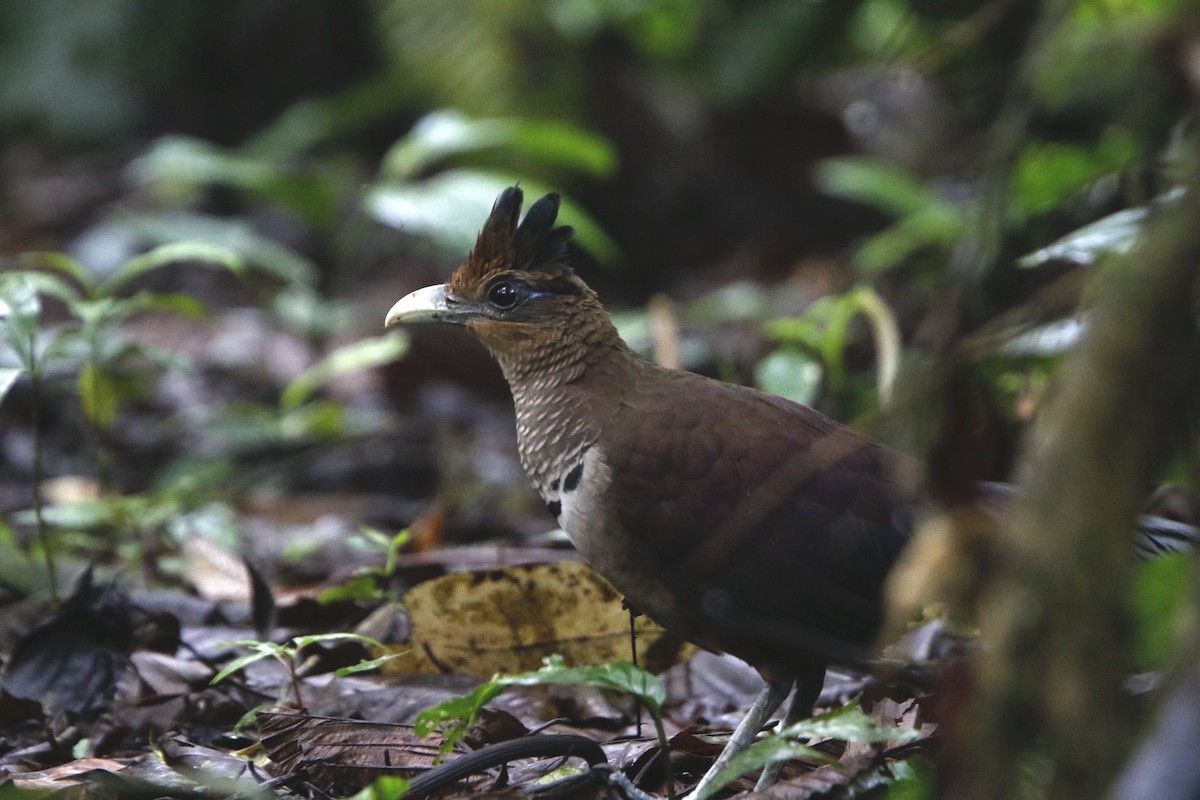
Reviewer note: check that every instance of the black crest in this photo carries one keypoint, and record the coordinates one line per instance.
(536, 244)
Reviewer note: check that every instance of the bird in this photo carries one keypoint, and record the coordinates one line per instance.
(736, 519)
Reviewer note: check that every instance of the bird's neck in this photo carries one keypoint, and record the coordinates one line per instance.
(564, 388)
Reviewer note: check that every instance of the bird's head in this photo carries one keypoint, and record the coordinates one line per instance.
(515, 291)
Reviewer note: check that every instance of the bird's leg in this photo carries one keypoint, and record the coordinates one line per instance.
(764, 705)
(808, 688)
(633, 653)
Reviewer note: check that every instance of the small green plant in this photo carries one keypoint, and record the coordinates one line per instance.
(363, 354)
(1047, 175)
(924, 220)
(288, 654)
(455, 716)
(847, 723)
(370, 583)
(386, 787)
(823, 330)
(477, 159)
(91, 345)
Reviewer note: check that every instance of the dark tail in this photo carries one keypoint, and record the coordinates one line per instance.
(1157, 536)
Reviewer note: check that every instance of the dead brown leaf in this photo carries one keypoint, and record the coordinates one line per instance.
(509, 619)
(344, 752)
(64, 775)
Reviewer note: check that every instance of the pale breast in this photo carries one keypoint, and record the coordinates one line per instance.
(578, 499)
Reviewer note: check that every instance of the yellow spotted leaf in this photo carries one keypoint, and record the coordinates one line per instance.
(509, 619)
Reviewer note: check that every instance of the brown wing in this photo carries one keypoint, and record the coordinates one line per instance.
(774, 526)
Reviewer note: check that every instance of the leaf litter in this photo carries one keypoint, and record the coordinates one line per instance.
(103, 695)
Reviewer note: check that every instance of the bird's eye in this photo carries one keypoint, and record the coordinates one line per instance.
(503, 295)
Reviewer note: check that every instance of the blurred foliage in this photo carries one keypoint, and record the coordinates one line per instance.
(824, 331)
(847, 723)
(1050, 173)
(177, 169)
(447, 206)
(455, 716)
(110, 370)
(912, 781)
(1160, 602)
(445, 134)
(62, 73)
(95, 346)
(1115, 234)
(923, 218)
(947, 147)
(385, 788)
(370, 583)
(94, 349)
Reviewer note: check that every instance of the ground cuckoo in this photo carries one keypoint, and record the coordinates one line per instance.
(739, 520)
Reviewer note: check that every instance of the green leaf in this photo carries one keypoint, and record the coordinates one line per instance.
(911, 780)
(81, 515)
(876, 183)
(47, 284)
(19, 293)
(213, 240)
(661, 30)
(174, 253)
(304, 310)
(1115, 234)
(847, 723)
(387, 787)
(885, 335)
(244, 428)
(932, 227)
(923, 218)
(459, 712)
(363, 586)
(888, 29)
(21, 308)
(319, 419)
(619, 677)
(98, 393)
(250, 718)
(364, 354)
(177, 168)
(790, 373)
(182, 304)
(1160, 596)
(1095, 62)
(443, 134)
(366, 666)
(320, 638)
(61, 262)
(260, 652)
(760, 754)
(17, 569)
(1048, 173)
(1042, 341)
(825, 325)
(177, 165)
(450, 207)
